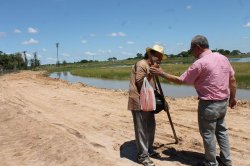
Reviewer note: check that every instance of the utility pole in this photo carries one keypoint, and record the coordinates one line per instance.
(57, 45)
(25, 59)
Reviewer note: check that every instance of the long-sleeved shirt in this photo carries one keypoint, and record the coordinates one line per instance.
(136, 79)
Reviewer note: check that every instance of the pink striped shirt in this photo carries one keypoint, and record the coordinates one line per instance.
(210, 75)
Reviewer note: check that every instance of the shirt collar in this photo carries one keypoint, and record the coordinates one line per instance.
(204, 53)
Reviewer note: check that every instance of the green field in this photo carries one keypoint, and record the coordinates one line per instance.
(120, 70)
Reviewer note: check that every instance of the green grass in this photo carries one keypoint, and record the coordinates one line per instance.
(242, 74)
(120, 70)
(120, 73)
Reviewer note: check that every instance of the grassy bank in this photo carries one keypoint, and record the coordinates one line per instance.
(120, 70)
(242, 73)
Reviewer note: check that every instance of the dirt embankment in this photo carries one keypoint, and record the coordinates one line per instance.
(48, 122)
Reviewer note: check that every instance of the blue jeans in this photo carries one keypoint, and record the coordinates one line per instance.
(211, 121)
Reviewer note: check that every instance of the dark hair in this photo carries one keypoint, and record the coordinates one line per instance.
(152, 53)
(201, 41)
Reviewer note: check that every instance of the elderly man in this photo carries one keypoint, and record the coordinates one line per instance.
(213, 78)
(144, 122)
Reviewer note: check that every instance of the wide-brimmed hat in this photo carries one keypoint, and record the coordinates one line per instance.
(157, 48)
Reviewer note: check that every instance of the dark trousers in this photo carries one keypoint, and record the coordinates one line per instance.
(144, 125)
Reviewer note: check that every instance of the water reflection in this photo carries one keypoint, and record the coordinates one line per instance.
(168, 89)
(58, 74)
(64, 75)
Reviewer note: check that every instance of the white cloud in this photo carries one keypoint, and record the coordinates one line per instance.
(92, 35)
(89, 53)
(29, 55)
(84, 41)
(127, 53)
(245, 37)
(17, 31)
(120, 47)
(30, 41)
(104, 51)
(44, 49)
(51, 60)
(32, 30)
(2, 34)
(65, 55)
(188, 7)
(179, 44)
(117, 34)
(130, 42)
(247, 25)
(39, 56)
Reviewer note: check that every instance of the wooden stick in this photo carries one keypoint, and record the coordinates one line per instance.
(166, 108)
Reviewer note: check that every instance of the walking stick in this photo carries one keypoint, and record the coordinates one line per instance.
(166, 108)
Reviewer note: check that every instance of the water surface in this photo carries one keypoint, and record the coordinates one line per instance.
(239, 59)
(168, 89)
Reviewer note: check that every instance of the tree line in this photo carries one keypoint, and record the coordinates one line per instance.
(17, 61)
(221, 51)
(181, 54)
(188, 54)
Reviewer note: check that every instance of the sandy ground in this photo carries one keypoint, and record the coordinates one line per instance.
(49, 122)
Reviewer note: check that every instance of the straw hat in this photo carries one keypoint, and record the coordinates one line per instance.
(157, 48)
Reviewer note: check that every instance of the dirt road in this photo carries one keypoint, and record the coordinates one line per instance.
(48, 122)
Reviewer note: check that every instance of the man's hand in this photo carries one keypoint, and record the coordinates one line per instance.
(156, 65)
(232, 103)
(156, 70)
(232, 87)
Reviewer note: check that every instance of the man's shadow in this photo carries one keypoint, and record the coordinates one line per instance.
(128, 150)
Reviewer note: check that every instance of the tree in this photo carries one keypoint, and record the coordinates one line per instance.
(221, 51)
(64, 63)
(19, 61)
(139, 56)
(112, 59)
(227, 52)
(184, 54)
(32, 63)
(170, 55)
(35, 62)
(235, 52)
(84, 61)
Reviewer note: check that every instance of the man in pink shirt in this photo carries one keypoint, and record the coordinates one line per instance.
(213, 78)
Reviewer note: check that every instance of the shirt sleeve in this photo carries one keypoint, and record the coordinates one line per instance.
(191, 74)
(232, 72)
(141, 72)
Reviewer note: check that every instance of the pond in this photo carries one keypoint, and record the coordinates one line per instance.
(168, 89)
(239, 59)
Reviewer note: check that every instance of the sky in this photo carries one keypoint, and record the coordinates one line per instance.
(100, 29)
